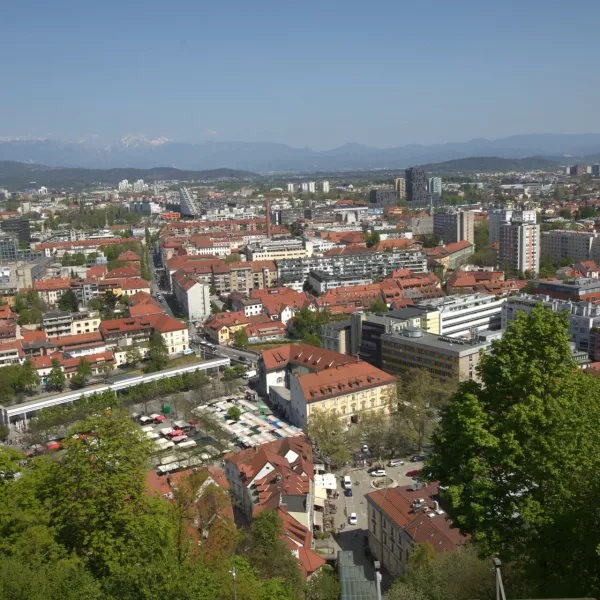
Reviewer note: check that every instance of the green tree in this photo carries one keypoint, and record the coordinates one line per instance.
(378, 306)
(326, 431)
(586, 212)
(233, 257)
(313, 339)
(372, 239)
(240, 339)
(324, 585)
(133, 356)
(373, 426)
(4, 432)
(269, 553)
(28, 379)
(420, 397)
(98, 493)
(431, 575)
(519, 453)
(234, 413)
(430, 241)
(68, 301)
(56, 377)
(84, 371)
(158, 353)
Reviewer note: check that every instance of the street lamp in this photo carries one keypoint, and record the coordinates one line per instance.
(500, 595)
(234, 574)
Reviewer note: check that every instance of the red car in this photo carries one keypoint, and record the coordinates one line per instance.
(414, 473)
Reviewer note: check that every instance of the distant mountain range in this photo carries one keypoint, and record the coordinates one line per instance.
(18, 175)
(491, 164)
(141, 152)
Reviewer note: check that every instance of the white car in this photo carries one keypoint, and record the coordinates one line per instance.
(364, 449)
(378, 473)
(352, 519)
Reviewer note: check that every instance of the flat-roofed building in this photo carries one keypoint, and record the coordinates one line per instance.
(460, 315)
(444, 357)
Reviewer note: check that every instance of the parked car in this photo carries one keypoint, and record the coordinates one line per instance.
(379, 473)
(348, 492)
(395, 462)
(243, 359)
(364, 448)
(414, 473)
(418, 458)
(352, 519)
(373, 468)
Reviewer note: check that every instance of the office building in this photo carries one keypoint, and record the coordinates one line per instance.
(279, 249)
(434, 186)
(454, 226)
(383, 197)
(18, 227)
(325, 187)
(577, 170)
(583, 316)
(519, 247)
(9, 247)
(578, 289)
(400, 187)
(596, 170)
(562, 244)
(444, 357)
(461, 315)
(416, 186)
(497, 216)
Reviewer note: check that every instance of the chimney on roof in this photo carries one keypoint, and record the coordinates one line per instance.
(268, 218)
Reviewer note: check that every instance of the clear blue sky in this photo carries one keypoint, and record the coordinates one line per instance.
(319, 74)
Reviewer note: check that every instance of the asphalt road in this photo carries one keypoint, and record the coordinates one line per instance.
(352, 536)
(155, 289)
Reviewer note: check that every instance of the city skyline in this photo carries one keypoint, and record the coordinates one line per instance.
(317, 76)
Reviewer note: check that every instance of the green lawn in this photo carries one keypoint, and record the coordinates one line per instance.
(269, 345)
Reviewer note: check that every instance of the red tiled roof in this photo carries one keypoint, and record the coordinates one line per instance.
(51, 284)
(396, 503)
(33, 336)
(98, 272)
(159, 322)
(342, 379)
(311, 357)
(122, 272)
(82, 339)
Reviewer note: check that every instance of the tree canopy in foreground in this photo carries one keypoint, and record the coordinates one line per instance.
(520, 455)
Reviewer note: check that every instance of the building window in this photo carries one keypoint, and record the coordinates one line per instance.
(384, 538)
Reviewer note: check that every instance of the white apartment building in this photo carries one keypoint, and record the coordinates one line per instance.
(460, 315)
(325, 187)
(498, 216)
(290, 188)
(560, 244)
(312, 187)
(583, 316)
(304, 187)
(193, 296)
(520, 246)
(279, 249)
(434, 186)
